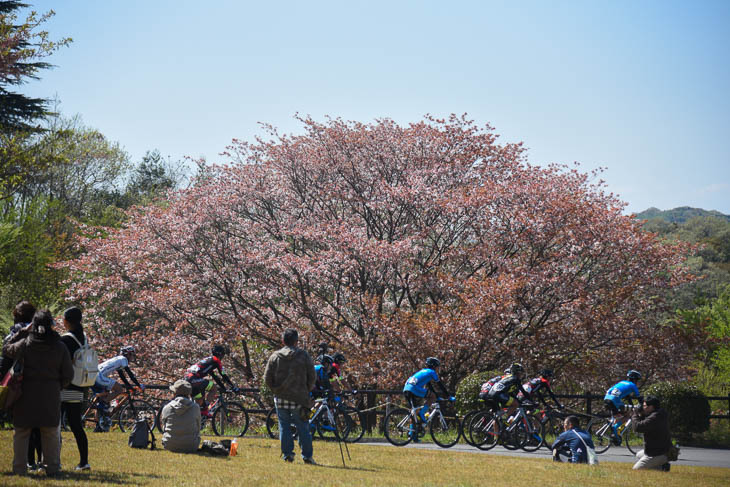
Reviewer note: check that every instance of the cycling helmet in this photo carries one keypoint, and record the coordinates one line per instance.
(339, 358)
(325, 359)
(547, 373)
(432, 362)
(633, 375)
(218, 351)
(127, 350)
(516, 368)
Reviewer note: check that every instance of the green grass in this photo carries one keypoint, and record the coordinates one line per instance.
(258, 463)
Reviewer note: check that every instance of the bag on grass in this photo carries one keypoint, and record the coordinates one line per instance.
(590, 452)
(85, 362)
(140, 435)
(214, 448)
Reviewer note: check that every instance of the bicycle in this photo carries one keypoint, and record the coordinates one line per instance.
(403, 425)
(228, 418)
(125, 411)
(523, 430)
(327, 414)
(607, 431)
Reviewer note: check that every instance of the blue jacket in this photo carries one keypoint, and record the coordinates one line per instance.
(569, 440)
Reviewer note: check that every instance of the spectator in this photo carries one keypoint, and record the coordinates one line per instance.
(290, 376)
(72, 396)
(181, 420)
(46, 370)
(653, 422)
(572, 442)
(22, 316)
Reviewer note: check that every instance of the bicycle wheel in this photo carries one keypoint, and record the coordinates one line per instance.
(134, 410)
(230, 419)
(535, 435)
(356, 424)
(445, 430)
(484, 430)
(601, 433)
(339, 430)
(400, 427)
(514, 435)
(634, 441)
(465, 425)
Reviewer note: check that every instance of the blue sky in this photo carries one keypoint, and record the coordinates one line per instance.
(637, 87)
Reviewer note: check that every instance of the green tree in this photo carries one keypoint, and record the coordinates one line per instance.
(22, 48)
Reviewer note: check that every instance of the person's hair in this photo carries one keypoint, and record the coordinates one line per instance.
(73, 316)
(42, 323)
(573, 420)
(652, 401)
(23, 312)
(290, 337)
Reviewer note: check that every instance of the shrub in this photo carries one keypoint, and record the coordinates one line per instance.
(688, 407)
(467, 392)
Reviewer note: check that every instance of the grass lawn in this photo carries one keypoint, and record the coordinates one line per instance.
(258, 463)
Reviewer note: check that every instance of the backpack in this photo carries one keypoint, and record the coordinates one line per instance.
(85, 363)
(214, 448)
(140, 435)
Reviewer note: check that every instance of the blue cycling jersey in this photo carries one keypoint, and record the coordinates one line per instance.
(416, 384)
(323, 381)
(623, 389)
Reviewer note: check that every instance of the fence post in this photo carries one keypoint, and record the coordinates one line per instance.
(589, 397)
(372, 417)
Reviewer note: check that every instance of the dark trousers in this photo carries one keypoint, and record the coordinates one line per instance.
(73, 420)
(34, 446)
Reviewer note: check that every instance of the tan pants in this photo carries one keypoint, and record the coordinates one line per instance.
(647, 462)
(50, 444)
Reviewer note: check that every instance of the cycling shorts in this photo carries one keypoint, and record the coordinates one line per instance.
(199, 386)
(413, 400)
(103, 383)
(503, 399)
(614, 405)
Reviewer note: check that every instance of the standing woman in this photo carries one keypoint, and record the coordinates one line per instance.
(46, 370)
(72, 396)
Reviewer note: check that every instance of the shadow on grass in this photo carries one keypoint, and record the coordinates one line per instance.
(348, 467)
(93, 476)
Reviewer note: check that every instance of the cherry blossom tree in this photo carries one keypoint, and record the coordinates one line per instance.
(393, 243)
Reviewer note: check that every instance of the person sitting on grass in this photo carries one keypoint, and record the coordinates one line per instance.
(180, 420)
(572, 442)
(653, 422)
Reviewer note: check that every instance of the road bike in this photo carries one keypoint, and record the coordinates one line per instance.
(329, 417)
(403, 425)
(124, 410)
(611, 431)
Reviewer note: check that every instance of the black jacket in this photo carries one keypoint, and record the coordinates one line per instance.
(655, 427)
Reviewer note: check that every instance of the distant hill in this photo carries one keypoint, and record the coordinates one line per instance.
(678, 215)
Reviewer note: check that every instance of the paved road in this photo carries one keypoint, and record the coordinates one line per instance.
(704, 457)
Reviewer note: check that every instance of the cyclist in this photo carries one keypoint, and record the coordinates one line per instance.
(419, 384)
(625, 389)
(107, 388)
(197, 376)
(504, 393)
(323, 372)
(615, 396)
(338, 360)
(487, 386)
(536, 386)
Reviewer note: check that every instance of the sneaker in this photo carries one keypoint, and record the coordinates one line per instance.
(80, 467)
(666, 467)
(310, 461)
(288, 458)
(32, 467)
